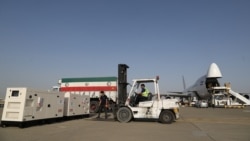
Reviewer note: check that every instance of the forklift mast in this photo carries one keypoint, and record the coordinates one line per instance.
(122, 83)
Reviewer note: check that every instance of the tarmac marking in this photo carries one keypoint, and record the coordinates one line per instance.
(242, 121)
(199, 133)
(62, 127)
(246, 111)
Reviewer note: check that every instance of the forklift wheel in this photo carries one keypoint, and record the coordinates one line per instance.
(166, 117)
(124, 114)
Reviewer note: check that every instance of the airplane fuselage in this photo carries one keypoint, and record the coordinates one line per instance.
(200, 88)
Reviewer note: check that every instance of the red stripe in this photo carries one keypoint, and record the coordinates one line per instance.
(99, 88)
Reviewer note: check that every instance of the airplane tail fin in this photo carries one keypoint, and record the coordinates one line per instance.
(184, 83)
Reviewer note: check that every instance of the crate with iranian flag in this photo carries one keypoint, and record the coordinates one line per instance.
(90, 86)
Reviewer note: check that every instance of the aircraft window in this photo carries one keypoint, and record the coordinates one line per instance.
(15, 93)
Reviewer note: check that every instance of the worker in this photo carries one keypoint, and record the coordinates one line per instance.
(143, 95)
(103, 104)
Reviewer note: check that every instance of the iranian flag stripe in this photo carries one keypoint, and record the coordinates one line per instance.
(89, 79)
(100, 88)
(85, 84)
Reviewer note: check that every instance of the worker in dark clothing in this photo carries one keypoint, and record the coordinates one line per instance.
(103, 104)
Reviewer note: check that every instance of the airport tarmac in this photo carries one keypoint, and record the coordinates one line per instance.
(195, 124)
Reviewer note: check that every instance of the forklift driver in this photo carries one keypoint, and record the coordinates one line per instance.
(143, 95)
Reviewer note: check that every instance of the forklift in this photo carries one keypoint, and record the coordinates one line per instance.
(155, 107)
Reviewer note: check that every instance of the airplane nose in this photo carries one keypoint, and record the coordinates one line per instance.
(214, 71)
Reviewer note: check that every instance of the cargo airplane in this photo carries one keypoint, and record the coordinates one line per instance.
(200, 88)
(203, 86)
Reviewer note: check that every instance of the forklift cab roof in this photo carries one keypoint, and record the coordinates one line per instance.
(146, 80)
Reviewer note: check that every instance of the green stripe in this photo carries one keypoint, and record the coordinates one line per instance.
(89, 79)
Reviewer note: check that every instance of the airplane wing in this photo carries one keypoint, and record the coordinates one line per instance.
(174, 92)
(188, 93)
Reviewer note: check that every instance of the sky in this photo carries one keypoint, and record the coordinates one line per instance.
(42, 41)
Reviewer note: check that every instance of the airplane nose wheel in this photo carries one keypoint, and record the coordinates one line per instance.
(124, 114)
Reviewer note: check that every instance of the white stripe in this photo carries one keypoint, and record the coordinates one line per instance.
(96, 94)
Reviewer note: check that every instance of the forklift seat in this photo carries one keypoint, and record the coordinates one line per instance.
(150, 95)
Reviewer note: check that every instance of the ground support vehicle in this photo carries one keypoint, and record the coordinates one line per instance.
(162, 109)
(166, 110)
(201, 104)
(225, 97)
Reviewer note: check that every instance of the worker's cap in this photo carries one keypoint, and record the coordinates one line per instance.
(102, 92)
(143, 85)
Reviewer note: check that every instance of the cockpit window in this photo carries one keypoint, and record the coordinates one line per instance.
(15, 93)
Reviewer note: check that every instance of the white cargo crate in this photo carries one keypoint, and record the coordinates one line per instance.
(76, 105)
(26, 104)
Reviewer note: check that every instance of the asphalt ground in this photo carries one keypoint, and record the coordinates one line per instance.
(195, 124)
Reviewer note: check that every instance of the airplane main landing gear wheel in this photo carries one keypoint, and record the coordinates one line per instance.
(124, 114)
(166, 117)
